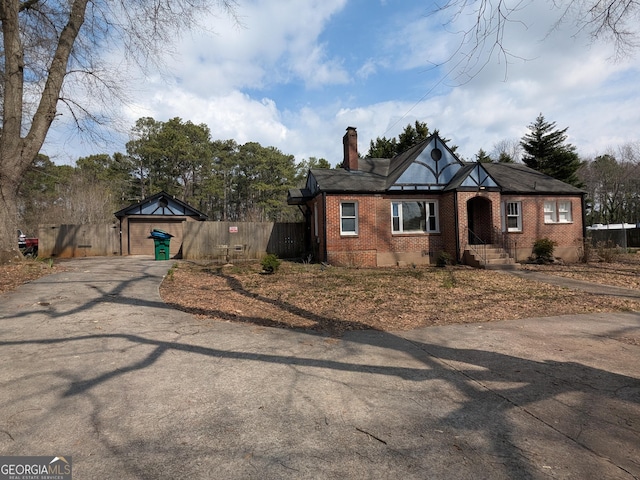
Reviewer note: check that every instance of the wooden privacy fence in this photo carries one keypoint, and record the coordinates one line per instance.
(228, 241)
(223, 241)
(66, 241)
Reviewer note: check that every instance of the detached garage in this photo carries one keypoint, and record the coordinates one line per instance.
(160, 211)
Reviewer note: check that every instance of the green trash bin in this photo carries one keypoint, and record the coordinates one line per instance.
(162, 248)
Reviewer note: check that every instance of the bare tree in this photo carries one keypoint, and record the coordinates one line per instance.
(614, 21)
(51, 53)
(612, 182)
(507, 150)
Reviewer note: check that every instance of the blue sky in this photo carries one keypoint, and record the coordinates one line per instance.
(296, 73)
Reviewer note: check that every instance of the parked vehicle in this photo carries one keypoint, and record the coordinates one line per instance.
(22, 240)
(27, 245)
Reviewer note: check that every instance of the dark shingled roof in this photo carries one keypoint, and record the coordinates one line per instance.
(518, 178)
(379, 175)
(356, 181)
(298, 196)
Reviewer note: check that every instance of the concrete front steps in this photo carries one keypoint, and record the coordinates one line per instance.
(496, 258)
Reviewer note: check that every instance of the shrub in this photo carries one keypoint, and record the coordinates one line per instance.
(449, 280)
(270, 263)
(606, 251)
(444, 259)
(543, 249)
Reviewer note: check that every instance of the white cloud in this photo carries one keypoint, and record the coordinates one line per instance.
(368, 69)
(275, 41)
(233, 115)
(238, 82)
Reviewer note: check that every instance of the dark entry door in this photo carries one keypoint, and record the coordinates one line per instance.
(479, 221)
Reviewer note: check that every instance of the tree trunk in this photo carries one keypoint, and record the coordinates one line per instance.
(17, 153)
(8, 221)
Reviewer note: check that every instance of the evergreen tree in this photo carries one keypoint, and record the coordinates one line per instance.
(412, 135)
(505, 158)
(546, 150)
(390, 147)
(483, 157)
(383, 148)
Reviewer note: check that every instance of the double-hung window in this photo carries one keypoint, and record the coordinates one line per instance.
(414, 217)
(550, 214)
(557, 212)
(348, 218)
(564, 212)
(513, 216)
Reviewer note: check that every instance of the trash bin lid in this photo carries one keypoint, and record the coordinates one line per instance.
(157, 233)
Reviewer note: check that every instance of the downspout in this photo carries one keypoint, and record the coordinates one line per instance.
(324, 226)
(120, 235)
(456, 224)
(308, 240)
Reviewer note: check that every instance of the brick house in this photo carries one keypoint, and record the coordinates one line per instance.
(425, 201)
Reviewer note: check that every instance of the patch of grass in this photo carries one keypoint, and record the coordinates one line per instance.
(48, 262)
(415, 273)
(170, 272)
(449, 279)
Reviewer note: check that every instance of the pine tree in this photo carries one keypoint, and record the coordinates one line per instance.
(483, 157)
(390, 147)
(411, 135)
(546, 150)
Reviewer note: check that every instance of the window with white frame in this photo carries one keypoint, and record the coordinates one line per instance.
(550, 212)
(564, 212)
(557, 212)
(513, 216)
(348, 218)
(414, 216)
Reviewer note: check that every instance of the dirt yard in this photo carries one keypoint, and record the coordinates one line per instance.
(623, 272)
(15, 274)
(333, 299)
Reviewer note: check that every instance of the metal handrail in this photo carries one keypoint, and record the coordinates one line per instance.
(498, 238)
(480, 247)
(503, 240)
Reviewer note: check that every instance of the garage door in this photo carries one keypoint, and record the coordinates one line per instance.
(139, 230)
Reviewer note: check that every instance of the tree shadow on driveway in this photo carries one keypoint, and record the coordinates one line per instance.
(495, 397)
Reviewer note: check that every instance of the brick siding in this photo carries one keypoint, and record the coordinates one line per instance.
(568, 236)
(376, 245)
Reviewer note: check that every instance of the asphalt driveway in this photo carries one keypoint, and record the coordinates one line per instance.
(96, 367)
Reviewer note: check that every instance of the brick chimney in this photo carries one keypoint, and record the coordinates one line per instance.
(350, 144)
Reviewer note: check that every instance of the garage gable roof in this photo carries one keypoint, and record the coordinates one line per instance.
(161, 204)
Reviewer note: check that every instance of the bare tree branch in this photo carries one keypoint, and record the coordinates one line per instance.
(48, 45)
(614, 21)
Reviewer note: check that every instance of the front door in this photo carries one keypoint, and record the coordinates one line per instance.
(479, 221)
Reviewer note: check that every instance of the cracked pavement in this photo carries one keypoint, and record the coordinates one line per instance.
(96, 367)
